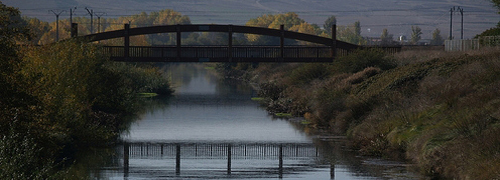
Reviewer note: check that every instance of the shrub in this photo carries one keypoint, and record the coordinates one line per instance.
(22, 158)
(363, 58)
(306, 73)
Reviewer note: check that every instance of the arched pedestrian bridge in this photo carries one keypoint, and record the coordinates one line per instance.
(326, 49)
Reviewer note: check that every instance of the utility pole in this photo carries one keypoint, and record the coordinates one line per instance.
(91, 12)
(99, 14)
(451, 22)
(71, 15)
(462, 29)
(461, 10)
(57, 22)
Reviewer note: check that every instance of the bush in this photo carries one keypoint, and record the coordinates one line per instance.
(363, 58)
(306, 73)
(22, 158)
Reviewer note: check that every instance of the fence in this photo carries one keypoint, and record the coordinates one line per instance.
(461, 44)
(471, 44)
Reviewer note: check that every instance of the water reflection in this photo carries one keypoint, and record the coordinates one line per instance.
(244, 160)
(239, 157)
(211, 129)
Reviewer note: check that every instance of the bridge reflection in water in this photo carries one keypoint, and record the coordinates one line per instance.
(222, 151)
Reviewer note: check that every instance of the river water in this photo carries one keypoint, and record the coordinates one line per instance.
(211, 129)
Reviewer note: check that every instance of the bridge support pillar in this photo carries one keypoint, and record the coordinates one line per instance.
(334, 41)
(74, 30)
(282, 42)
(126, 41)
(230, 43)
(178, 41)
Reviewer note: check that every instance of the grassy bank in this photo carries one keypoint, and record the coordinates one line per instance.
(439, 110)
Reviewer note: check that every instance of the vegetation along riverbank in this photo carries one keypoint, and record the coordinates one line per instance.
(439, 110)
(61, 98)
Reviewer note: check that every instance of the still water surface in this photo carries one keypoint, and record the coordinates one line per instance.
(211, 129)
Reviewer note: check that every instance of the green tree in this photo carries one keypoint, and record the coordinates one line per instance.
(20, 154)
(307, 29)
(328, 25)
(386, 38)
(437, 39)
(357, 28)
(496, 3)
(351, 34)
(167, 17)
(416, 33)
(38, 29)
(272, 21)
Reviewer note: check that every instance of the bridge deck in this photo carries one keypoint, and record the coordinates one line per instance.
(222, 53)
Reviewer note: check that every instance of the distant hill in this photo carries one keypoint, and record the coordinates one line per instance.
(396, 15)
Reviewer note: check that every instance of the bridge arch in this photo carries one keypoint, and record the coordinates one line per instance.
(219, 28)
(182, 53)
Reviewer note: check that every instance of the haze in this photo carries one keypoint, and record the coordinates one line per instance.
(396, 15)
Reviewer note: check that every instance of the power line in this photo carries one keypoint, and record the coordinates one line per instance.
(99, 14)
(91, 12)
(57, 22)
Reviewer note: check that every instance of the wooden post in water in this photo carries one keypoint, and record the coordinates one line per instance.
(161, 150)
(229, 146)
(126, 151)
(178, 160)
(126, 41)
(332, 170)
(281, 161)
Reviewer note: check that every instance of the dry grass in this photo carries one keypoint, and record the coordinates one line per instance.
(449, 125)
(438, 109)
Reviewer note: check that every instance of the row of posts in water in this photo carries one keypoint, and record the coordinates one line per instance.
(218, 151)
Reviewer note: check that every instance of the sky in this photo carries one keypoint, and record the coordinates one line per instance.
(374, 15)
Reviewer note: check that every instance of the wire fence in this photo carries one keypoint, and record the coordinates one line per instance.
(471, 44)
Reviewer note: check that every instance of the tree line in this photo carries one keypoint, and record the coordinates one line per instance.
(46, 32)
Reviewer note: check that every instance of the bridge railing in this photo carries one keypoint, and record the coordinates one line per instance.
(221, 150)
(227, 54)
(223, 53)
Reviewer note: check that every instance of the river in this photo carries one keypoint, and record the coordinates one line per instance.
(211, 129)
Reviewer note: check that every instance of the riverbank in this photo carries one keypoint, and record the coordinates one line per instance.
(438, 110)
(61, 99)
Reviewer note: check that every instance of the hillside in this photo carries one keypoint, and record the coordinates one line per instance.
(396, 15)
(438, 110)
